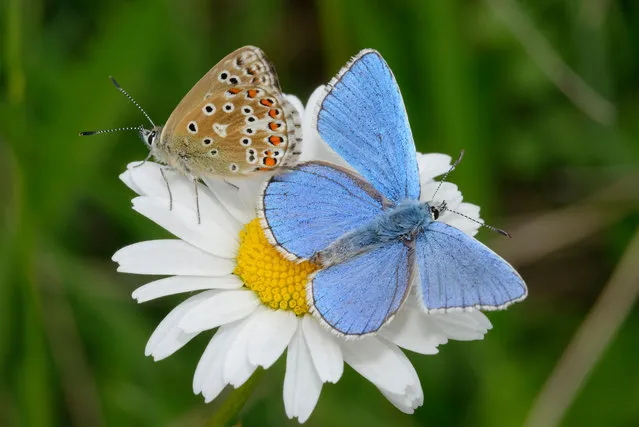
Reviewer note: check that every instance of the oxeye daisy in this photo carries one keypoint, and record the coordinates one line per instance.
(253, 301)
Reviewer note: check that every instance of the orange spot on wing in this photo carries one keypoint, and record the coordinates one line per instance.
(273, 113)
(266, 102)
(234, 90)
(269, 161)
(274, 125)
(275, 140)
(251, 93)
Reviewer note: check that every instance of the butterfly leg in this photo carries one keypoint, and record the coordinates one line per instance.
(142, 163)
(232, 185)
(197, 200)
(168, 188)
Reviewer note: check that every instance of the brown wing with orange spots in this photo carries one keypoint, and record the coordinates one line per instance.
(235, 121)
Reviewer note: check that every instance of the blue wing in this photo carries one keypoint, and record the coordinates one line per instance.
(359, 296)
(363, 118)
(457, 272)
(306, 209)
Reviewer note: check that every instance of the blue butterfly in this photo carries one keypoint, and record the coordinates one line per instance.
(371, 235)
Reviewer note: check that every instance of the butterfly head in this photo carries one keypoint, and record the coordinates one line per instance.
(437, 210)
(150, 136)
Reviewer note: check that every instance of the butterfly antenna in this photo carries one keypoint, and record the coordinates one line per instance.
(130, 98)
(452, 168)
(490, 227)
(97, 132)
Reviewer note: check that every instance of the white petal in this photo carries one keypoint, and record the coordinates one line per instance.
(302, 385)
(170, 257)
(223, 307)
(125, 177)
(146, 179)
(407, 403)
(448, 192)
(482, 321)
(413, 395)
(380, 362)
(209, 236)
(464, 224)
(149, 181)
(325, 351)
(270, 336)
(208, 378)
(178, 284)
(432, 165)
(168, 337)
(237, 367)
(239, 196)
(412, 330)
(461, 326)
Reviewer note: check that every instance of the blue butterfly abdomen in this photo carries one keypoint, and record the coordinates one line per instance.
(402, 222)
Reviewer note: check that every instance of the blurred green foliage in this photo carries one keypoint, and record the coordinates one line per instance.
(71, 339)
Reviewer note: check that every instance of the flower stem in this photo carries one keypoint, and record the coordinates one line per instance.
(235, 402)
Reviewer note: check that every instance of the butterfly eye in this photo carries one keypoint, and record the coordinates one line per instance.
(150, 138)
(435, 212)
(223, 76)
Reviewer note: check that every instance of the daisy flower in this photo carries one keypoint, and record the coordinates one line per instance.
(255, 299)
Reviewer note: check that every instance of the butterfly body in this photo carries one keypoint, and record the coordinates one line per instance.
(402, 223)
(233, 122)
(369, 230)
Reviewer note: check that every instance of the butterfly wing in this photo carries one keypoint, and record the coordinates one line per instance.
(363, 118)
(306, 209)
(458, 272)
(359, 296)
(234, 121)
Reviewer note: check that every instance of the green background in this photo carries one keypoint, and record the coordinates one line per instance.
(560, 172)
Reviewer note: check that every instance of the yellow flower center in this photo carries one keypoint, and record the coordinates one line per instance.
(278, 282)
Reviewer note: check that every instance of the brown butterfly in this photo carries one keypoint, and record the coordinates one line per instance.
(233, 122)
